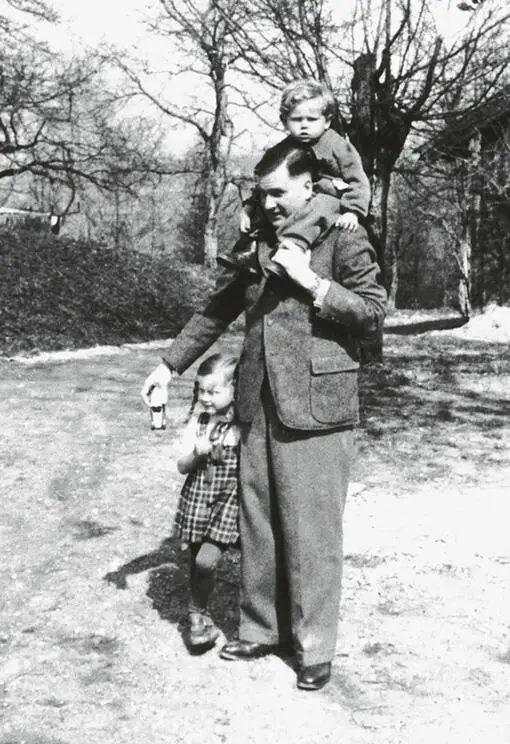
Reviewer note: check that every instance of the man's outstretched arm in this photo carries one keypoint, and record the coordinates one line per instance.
(204, 328)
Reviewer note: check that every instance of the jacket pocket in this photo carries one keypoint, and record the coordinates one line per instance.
(325, 365)
(334, 390)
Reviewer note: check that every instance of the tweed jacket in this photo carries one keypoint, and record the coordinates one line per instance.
(309, 356)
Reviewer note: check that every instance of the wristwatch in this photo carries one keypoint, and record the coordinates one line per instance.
(315, 286)
(318, 291)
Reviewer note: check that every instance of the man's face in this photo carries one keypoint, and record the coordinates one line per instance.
(281, 194)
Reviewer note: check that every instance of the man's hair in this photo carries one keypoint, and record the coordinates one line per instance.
(305, 90)
(298, 160)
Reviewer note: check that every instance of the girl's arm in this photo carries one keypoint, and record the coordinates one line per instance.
(187, 463)
(191, 459)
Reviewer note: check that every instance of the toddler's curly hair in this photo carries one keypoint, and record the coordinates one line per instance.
(304, 90)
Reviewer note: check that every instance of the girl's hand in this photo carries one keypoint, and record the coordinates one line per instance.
(202, 446)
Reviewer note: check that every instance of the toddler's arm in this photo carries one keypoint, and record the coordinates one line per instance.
(356, 197)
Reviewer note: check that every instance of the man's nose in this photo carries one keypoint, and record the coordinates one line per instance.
(269, 202)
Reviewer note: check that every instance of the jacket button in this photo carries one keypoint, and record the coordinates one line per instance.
(269, 321)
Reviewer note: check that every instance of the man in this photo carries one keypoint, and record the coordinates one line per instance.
(297, 405)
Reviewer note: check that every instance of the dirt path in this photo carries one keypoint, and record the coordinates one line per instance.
(88, 489)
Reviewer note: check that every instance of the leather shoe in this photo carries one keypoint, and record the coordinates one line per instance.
(314, 677)
(245, 650)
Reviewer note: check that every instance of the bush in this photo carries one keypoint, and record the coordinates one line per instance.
(64, 293)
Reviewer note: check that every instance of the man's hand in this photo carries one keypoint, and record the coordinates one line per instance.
(348, 221)
(296, 263)
(159, 377)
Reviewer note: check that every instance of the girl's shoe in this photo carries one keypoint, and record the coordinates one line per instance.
(202, 631)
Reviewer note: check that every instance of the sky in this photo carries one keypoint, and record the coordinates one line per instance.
(117, 21)
(87, 23)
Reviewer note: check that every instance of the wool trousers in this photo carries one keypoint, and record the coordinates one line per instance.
(293, 489)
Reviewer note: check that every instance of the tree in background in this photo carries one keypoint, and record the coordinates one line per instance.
(462, 185)
(199, 51)
(393, 74)
(58, 123)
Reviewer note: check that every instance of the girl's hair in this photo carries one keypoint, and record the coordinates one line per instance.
(304, 90)
(224, 363)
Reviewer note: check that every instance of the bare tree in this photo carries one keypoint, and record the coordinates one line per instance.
(57, 122)
(200, 53)
(403, 79)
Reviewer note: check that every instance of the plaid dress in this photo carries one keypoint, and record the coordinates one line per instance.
(208, 508)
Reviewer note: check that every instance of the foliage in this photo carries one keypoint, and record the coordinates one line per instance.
(59, 293)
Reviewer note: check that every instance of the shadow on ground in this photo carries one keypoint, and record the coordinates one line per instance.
(432, 397)
(435, 324)
(168, 585)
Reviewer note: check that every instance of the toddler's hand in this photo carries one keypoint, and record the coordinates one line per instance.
(347, 221)
(202, 446)
(245, 220)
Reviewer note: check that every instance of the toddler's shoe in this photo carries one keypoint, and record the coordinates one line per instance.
(202, 632)
(243, 256)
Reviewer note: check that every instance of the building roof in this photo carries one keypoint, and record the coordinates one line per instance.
(485, 118)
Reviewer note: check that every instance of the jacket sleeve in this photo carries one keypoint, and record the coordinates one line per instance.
(355, 297)
(356, 198)
(224, 305)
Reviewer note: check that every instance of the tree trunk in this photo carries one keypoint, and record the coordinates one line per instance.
(218, 147)
(464, 287)
(469, 239)
(211, 232)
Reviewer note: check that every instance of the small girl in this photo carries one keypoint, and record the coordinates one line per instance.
(207, 510)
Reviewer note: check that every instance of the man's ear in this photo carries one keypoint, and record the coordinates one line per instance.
(328, 122)
(309, 186)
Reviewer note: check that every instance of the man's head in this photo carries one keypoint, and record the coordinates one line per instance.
(285, 181)
(306, 110)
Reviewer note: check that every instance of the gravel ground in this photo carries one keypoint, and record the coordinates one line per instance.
(89, 491)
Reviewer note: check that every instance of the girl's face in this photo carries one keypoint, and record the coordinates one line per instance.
(306, 122)
(215, 393)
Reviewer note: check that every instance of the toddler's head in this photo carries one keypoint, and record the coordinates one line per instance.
(215, 384)
(306, 110)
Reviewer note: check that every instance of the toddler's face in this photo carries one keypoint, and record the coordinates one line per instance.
(306, 122)
(215, 394)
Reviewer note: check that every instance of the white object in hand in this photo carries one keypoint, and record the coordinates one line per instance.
(158, 398)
